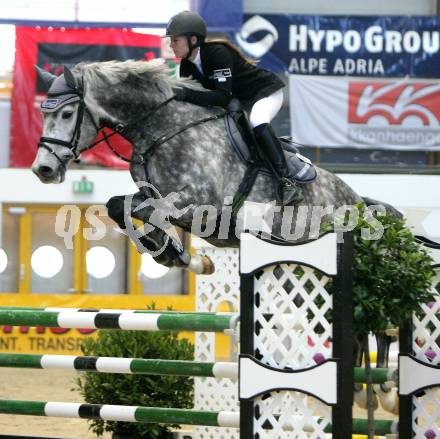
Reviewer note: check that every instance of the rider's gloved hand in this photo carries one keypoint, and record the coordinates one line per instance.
(234, 105)
(180, 93)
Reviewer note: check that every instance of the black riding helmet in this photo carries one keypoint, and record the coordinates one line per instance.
(189, 24)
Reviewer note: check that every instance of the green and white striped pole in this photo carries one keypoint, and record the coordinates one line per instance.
(296, 325)
(121, 413)
(359, 426)
(153, 366)
(109, 310)
(127, 320)
(379, 375)
(164, 415)
(121, 365)
(382, 427)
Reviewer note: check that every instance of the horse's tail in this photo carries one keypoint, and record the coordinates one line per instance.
(390, 209)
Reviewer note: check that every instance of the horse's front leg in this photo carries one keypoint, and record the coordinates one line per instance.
(153, 239)
(168, 251)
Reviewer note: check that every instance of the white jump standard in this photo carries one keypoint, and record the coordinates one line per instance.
(285, 326)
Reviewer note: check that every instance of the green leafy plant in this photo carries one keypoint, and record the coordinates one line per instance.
(392, 276)
(136, 390)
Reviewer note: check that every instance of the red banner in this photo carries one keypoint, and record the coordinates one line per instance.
(51, 49)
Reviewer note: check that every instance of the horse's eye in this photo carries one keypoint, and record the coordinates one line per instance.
(67, 114)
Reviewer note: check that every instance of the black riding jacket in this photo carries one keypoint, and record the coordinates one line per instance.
(227, 75)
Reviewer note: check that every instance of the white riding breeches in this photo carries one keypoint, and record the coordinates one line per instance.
(264, 110)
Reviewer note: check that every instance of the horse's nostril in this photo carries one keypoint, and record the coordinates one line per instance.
(45, 171)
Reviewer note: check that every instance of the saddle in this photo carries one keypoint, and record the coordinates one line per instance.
(245, 145)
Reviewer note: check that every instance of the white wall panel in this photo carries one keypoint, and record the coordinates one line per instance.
(129, 11)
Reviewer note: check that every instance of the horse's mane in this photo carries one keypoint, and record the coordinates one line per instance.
(115, 72)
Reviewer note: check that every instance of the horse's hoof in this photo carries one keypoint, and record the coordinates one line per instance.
(360, 399)
(208, 265)
(201, 265)
(388, 400)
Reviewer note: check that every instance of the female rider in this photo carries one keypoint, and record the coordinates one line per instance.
(226, 73)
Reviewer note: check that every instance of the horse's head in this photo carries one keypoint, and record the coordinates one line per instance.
(68, 126)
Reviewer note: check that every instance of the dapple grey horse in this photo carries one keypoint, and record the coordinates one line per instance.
(182, 160)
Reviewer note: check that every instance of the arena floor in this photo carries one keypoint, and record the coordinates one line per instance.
(42, 385)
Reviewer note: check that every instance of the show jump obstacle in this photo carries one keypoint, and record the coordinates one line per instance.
(295, 369)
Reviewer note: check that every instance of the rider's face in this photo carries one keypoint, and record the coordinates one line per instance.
(179, 46)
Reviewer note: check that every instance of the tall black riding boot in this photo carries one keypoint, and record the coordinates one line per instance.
(273, 151)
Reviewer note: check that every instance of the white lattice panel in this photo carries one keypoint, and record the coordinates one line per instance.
(212, 292)
(426, 347)
(292, 330)
(290, 415)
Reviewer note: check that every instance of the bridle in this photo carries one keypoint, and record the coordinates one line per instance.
(78, 96)
(78, 93)
(118, 128)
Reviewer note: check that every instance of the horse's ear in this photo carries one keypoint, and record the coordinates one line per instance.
(45, 77)
(70, 79)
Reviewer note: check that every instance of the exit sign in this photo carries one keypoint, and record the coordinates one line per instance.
(83, 186)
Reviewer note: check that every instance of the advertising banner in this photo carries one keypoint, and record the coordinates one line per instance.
(221, 15)
(51, 50)
(365, 113)
(379, 46)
